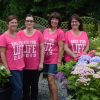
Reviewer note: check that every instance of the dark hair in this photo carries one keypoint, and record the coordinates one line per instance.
(78, 19)
(29, 15)
(54, 15)
(11, 17)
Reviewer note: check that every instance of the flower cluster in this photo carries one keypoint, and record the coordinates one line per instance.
(82, 71)
(95, 59)
(62, 79)
(83, 80)
(87, 68)
(97, 75)
(85, 58)
(85, 77)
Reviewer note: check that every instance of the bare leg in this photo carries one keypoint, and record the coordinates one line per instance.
(52, 87)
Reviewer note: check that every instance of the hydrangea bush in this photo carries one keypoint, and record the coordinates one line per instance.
(83, 78)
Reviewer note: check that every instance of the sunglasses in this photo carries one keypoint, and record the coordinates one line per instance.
(31, 21)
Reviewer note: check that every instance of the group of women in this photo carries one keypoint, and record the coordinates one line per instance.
(27, 52)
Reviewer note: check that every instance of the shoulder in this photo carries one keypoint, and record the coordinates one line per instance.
(84, 33)
(4, 35)
(46, 30)
(38, 31)
(68, 32)
(3, 39)
(60, 30)
(20, 32)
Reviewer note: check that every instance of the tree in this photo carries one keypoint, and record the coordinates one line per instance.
(44, 7)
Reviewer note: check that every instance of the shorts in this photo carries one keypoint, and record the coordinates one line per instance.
(50, 69)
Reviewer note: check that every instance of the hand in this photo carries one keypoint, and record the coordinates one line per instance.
(40, 66)
(58, 64)
(8, 71)
(74, 55)
(82, 53)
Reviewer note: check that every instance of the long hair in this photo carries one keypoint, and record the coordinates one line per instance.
(54, 15)
(75, 16)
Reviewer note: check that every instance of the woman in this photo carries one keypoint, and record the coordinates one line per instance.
(12, 56)
(54, 40)
(34, 57)
(76, 40)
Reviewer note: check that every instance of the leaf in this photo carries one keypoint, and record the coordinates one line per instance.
(94, 97)
(85, 97)
(93, 89)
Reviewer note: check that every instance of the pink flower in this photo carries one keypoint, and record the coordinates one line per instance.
(83, 80)
(96, 76)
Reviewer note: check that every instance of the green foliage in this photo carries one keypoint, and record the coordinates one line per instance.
(66, 68)
(91, 29)
(2, 26)
(84, 92)
(90, 25)
(4, 74)
(37, 0)
(90, 92)
(71, 82)
(43, 8)
(85, 97)
(94, 43)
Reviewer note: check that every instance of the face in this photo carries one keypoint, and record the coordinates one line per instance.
(12, 25)
(75, 24)
(54, 22)
(29, 22)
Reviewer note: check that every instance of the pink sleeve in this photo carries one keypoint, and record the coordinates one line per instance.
(41, 39)
(66, 37)
(61, 36)
(19, 33)
(3, 42)
(45, 31)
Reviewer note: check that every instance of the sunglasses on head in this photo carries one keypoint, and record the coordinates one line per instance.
(31, 21)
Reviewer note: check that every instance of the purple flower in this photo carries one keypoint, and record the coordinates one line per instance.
(63, 84)
(60, 76)
(95, 59)
(85, 58)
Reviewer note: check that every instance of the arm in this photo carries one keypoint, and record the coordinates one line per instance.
(66, 48)
(41, 56)
(61, 51)
(68, 51)
(86, 49)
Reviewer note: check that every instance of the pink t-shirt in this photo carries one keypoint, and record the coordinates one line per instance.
(76, 43)
(0, 58)
(51, 45)
(32, 49)
(14, 51)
